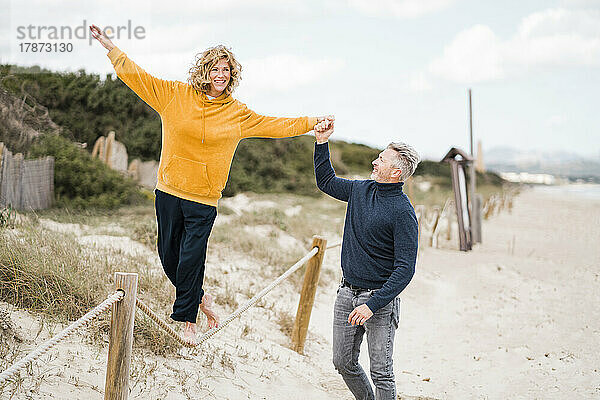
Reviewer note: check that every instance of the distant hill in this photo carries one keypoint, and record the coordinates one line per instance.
(562, 164)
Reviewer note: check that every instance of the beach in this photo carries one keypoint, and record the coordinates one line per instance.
(517, 317)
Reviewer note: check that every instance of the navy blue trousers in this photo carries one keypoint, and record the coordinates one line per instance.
(183, 230)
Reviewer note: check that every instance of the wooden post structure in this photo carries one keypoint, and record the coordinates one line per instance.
(121, 338)
(458, 160)
(307, 296)
(475, 215)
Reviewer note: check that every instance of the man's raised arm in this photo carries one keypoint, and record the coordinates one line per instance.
(338, 188)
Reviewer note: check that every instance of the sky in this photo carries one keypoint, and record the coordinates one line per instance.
(389, 70)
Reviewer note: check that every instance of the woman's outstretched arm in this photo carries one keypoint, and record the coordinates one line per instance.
(256, 125)
(157, 93)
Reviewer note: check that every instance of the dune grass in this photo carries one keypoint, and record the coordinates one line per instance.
(52, 275)
(47, 274)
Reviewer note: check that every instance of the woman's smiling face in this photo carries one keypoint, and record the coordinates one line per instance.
(220, 74)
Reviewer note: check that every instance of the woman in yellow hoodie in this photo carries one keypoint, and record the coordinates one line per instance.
(201, 128)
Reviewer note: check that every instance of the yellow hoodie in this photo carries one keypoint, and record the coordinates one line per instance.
(199, 135)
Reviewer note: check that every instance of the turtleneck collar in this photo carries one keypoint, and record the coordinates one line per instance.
(222, 99)
(210, 102)
(389, 189)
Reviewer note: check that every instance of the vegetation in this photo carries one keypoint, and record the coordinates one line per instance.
(81, 181)
(55, 276)
(46, 274)
(86, 107)
(6, 216)
(273, 165)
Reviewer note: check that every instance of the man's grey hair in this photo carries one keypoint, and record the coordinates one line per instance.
(407, 160)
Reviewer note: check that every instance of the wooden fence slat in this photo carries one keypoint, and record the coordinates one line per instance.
(25, 184)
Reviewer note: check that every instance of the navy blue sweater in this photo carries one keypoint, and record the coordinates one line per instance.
(379, 249)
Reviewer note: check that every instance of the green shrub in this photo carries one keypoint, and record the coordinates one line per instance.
(355, 157)
(433, 168)
(273, 165)
(86, 107)
(81, 181)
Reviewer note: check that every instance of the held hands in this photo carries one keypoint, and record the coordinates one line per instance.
(324, 128)
(101, 37)
(360, 315)
(330, 118)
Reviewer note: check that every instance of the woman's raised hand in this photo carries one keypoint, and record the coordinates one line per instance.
(101, 37)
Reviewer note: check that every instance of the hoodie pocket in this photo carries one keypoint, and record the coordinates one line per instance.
(187, 175)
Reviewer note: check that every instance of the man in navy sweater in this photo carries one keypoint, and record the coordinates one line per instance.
(379, 253)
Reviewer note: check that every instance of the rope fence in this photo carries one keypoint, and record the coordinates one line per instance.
(43, 349)
(121, 336)
(143, 307)
(334, 245)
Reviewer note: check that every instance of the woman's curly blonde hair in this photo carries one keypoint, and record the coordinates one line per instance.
(199, 77)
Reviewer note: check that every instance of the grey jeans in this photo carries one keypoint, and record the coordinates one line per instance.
(380, 330)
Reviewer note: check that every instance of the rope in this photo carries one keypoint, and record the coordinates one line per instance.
(118, 296)
(235, 314)
(41, 350)
(170, 331)
(333, 245)
(258, 296)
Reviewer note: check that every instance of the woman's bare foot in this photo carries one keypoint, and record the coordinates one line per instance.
(205, 307)
(189, 333)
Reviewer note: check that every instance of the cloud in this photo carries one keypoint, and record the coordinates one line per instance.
(580, 3)
(560, 21)
(193, 8)
(546, 39)
(473, 55)
(399, 8)
(285, 71)
(214, 15)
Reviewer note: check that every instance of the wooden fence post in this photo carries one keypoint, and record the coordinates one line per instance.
(476, 223)
(307, 296)
(121, 339)
(436, 221)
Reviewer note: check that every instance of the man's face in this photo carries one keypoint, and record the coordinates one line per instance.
(383, 167)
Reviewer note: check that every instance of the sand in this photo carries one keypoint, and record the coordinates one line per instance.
(518, 317)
